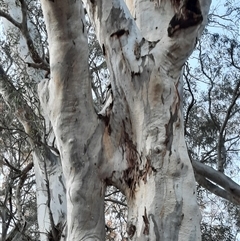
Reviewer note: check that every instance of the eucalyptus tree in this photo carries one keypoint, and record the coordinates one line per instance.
(24, 63)
(135, 142)
(212, 120)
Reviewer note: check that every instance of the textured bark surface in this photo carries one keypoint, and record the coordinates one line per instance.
(50, 182)
(77, 129)
(137, 142)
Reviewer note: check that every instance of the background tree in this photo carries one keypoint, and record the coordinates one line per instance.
(212, 118)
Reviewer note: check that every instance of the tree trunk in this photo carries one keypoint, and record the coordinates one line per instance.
(136, 143)
(50, 182)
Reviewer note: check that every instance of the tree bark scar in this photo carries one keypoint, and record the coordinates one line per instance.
(174, 221)
(103, 49)
(146, 221)
(188, 15)
(137, 50)
(155, 228)
(131, 230)
(119, 33)
(169, 130)
(82, 26)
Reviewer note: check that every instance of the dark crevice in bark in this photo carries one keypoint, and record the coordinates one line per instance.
(103, 50)
(169, 130)
(134, 173)
(106, 120)
(130, 175)
(119, 33)
(138, 46)
(131, 229)
(135, 74)
(56, 233)
(146, 222)
(187, 15)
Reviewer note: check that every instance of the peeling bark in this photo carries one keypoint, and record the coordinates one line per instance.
(45, 162)
(136, 142)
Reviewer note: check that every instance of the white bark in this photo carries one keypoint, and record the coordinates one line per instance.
(74, 120)
(44, 160)
(145, 64)
(138, 143)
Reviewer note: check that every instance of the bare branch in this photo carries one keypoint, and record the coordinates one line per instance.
(10, 19)
(24, 29)
(209, 90)
(217, 190)
(7, 163)
(192, 100)
(18, 194)
(115, 201)
(220, 148)
(39, 66)
(217, 177)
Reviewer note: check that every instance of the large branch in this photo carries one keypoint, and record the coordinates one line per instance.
(68, 100)
(70, 81)
(115, 26)
(218, 191)
(224, 186)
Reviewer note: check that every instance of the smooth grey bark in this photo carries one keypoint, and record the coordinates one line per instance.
(76, 126)
(50, 182)
(136, 143)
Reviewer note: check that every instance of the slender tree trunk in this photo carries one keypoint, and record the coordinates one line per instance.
(136, 143)
(77, 129)
(50, 182)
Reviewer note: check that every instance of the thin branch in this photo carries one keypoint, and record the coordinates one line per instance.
(10, 19)
(24, 29)
(39, 66)
(109, 194)
(191, 103)
(7, 163)
(18, 194)
(209, 90)
(115, 201)
(221, 140)
(232, 57)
